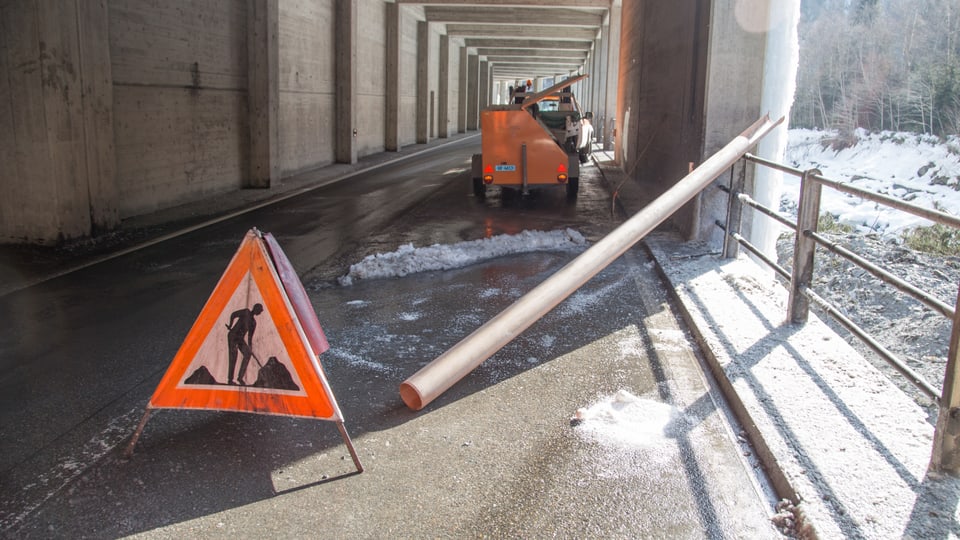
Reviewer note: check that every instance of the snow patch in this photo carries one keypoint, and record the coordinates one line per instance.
(624, 419)
(409, 260)
(489, 293)
(357, 361)
(916, 168)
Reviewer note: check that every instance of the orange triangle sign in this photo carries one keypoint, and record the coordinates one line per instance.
(255, 345)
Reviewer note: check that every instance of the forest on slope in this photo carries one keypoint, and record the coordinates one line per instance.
(879, 65)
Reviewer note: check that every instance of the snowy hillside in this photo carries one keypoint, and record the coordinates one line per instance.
(917, 168)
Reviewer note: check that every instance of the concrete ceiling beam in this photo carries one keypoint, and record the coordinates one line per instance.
(523, 16)
(592, 4)
(556, 44)
(536, 65)
(533, 60)
(520, 31)
(533, 53)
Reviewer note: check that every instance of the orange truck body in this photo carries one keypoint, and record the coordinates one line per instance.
(519, 151)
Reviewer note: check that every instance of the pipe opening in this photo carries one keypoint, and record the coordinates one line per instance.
(410, 396)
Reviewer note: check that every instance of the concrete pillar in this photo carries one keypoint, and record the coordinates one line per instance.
(484, 84)
(596, 78)
(263, 93)
(462, 92)
(423, 82)
(613, 71)
(473, 92)
(443, 88)
(585, 88)
(345, 71)
(752, 71)
(662, 126)
(57, 161)
(392, 100)
(490, 83)
(600, 82)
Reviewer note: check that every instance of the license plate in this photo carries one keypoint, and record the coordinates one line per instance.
(505, 168)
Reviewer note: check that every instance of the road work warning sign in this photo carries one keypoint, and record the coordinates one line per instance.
(255, 345)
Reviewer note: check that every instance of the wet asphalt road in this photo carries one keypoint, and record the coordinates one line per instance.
(495, 456)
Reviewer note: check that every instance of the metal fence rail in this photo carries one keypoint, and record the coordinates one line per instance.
(946, 451)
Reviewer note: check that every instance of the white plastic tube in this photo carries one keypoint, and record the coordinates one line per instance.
(439, 375)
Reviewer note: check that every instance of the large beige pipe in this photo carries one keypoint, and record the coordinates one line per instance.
(436, 377)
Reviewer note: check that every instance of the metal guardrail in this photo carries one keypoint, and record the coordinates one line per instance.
(946, 451)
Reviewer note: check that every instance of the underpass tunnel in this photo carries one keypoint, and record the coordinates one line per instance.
(121, 108)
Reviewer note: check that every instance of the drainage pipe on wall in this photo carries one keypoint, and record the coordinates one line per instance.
(439, 375)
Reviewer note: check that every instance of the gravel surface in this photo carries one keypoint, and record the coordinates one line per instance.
(918, 335)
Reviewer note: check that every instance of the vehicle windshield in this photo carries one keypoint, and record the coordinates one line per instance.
(549, 104)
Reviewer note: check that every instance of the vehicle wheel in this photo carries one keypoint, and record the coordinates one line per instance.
(573, 186)
(479, 188)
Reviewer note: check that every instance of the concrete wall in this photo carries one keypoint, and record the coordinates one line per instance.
(692, 77)
(734, 90)
(371, 78)
(179, 100)
(57, 172)
(661, 94)
(115, 108)
(306, 84)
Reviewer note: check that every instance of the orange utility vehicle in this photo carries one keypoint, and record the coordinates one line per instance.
(534, 143)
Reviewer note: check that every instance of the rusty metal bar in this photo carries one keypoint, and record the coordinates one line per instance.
(808, 214)
(350, 448)
(128, 452)
(946, 442)
(904, 286)
(749, 201)
(734, 211)
(784, 273)
(926, 213)
(891, 358)
(946, 437)
(443, 372)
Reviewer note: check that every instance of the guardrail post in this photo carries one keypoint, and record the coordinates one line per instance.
(731, 248)
(808, 213)
(946, 438)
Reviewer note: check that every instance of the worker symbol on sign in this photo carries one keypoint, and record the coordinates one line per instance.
(240, 331)
(215, 363)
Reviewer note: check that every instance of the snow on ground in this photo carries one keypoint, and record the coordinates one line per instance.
(409, 260)
(626, 419)
(920, 169)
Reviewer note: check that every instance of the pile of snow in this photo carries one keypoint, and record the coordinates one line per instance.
(409, 260)
(627, 420)
(920, 169)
